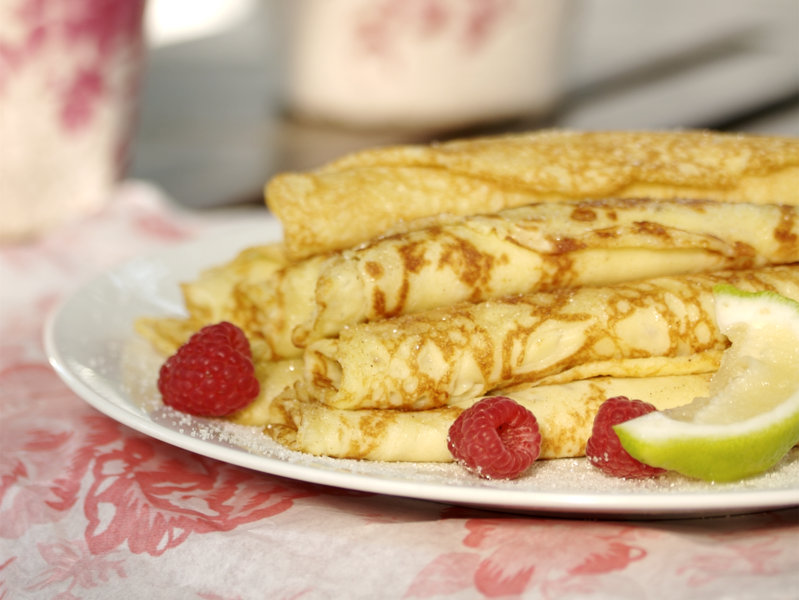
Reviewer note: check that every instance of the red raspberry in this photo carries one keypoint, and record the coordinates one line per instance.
(212, 374)
(604, 449)
(496, 438)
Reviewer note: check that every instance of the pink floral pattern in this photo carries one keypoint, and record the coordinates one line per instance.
(100, 27)
(91, 509)
(735, 551)
(40, 477)
(518, 556)
(141, 493)
(152, 497)
(70, 566)
(472, 22)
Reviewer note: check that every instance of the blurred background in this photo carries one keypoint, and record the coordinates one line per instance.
(216, 119)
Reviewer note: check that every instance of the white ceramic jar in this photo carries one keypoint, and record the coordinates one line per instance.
(423, 63)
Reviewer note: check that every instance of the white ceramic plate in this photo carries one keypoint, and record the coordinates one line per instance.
(91, 344)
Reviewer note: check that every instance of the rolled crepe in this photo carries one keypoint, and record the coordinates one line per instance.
(362, 195)
(212, 297)
(270, 310)
(166, 334)
(209, 298)
(565, 415)
(275, 379)
(519, 250)
(444, 356)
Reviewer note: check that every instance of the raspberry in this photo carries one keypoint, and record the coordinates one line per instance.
(212, 374)
(496, 438)
(604, 449)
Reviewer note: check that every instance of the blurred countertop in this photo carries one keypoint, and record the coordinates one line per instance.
(212, 130)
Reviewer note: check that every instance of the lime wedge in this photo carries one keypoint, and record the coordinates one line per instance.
(751, 418)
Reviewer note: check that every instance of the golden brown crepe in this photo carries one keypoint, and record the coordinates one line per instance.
(212, 297)
(275, 379)
(519, 250)
(167, 334)
(209, 297)
(363, 195)
(660, 326)
(271, 309)
(564, 413)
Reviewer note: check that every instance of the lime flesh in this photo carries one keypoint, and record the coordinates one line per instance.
(751, 419)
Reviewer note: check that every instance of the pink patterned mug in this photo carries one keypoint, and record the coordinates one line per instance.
(69, 73)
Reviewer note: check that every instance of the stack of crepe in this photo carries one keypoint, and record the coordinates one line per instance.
(556, 268)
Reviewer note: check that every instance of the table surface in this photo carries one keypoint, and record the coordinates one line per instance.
(91, 509)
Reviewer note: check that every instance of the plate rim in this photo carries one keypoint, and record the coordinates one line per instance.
(651, 504)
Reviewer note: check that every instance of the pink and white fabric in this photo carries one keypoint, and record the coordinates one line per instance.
(93, 510)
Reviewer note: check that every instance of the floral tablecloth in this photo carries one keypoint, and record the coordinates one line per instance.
(92, 509)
